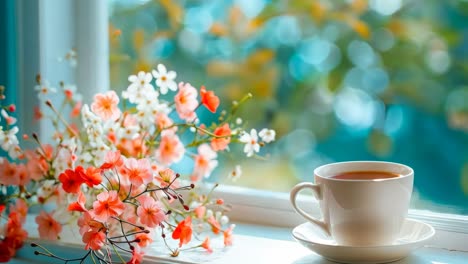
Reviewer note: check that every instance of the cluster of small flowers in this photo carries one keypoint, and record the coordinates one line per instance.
(109, 170)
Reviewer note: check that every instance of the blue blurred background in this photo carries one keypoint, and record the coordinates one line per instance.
(338, 80)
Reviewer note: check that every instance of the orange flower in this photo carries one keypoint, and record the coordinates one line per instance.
(106, 106)
(94, 239)
(72, 180)
(79, 205)
(137, 256)
(206, 245)
(215, 226)
(183, 231)
(107, 205)
(228, 236)
(209, 99)
(75, 112)
(92, 176)
(143, 239)
(221, 143)
(48, 228)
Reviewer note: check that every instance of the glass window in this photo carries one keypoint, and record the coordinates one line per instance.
(337, 80)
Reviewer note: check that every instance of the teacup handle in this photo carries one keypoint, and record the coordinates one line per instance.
(318, 195)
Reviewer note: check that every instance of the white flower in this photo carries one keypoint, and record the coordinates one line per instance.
(139, 88)
(149, 108)
(236, 173)
(46, 188)
(251, 142)
(9, 119)
(238, 121)
(164, 79)
(267, 135)
(129, 132)
(88, 117)
(224, 220)
(44, 90)
(8, 139)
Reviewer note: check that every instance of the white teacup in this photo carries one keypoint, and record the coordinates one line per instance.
(358, 211)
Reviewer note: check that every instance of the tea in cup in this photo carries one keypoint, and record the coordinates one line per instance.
(363, 203)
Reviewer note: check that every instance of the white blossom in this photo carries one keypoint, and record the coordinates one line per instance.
(44, 90)
(9, 119)
(8, 139)
(128, 132)
(139, 88)
(236, 173)
(267, 135)
(251, 142)
(165, 80)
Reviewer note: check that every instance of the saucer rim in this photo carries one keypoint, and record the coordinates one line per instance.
(429, 235)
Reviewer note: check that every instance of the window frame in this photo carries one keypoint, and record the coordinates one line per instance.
(92, 75)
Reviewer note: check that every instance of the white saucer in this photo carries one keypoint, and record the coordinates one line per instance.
(412, 236)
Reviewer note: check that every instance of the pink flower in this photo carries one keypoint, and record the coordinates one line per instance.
(107, 205)
(21, 209)
(22, 175)
(204, 162)
(166, 176)
(200, 211)
(170, 149)
(221, 143)
(8, 173)
(183, 231)
(106, 106)
(94, 240)
(48, 228)
(86, 223)
(186, 101)
(150, 212)
(163, 122)
(112, 160)
(228, 236)
(138, 172)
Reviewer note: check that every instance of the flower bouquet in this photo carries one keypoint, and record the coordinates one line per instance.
(106, 170)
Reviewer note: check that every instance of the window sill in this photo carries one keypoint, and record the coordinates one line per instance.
(252, 244)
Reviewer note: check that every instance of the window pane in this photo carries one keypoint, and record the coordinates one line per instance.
(337, 80)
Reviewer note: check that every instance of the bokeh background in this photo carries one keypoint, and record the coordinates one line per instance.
(338, 80)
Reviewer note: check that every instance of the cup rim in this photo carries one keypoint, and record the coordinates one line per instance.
(410, 171)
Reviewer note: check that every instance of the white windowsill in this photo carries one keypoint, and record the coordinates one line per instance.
(263, 235)
(252, 244)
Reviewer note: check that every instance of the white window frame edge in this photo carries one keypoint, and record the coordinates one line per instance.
(47, 29)
(274, 208)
